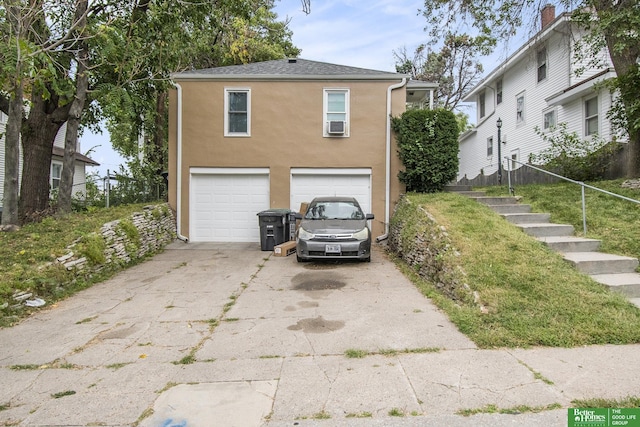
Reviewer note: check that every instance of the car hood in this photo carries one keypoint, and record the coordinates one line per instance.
(333, 226)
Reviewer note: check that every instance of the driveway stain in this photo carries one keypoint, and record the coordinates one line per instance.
(302, 304)
(317, 325)
(308, 281)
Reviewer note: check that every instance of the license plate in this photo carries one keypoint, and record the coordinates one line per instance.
(332, 249)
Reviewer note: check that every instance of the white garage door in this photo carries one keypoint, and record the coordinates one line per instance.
(224, 204)
(309, 183)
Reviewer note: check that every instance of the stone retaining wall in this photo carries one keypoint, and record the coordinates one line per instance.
(417, 238)
(126, 240)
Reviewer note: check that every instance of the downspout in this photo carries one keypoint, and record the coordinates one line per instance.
(387, 203)
(179, 166)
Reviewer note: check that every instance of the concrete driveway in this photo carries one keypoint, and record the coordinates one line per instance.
(227, 335)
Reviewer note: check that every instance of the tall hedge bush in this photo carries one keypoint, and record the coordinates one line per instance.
(428, 148)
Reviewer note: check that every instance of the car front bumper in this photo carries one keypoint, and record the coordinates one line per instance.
(322, 249)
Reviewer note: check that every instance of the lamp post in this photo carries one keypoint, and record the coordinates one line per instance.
(499, 125)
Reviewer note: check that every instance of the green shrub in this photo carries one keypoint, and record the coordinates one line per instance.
(428, 148)
(573, 157)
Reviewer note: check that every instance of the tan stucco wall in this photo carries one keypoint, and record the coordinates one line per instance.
(286, 132)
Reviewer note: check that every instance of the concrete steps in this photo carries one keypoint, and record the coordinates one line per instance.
(614, 271)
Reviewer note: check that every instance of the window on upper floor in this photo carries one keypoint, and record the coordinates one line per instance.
(591, 116)
(490, 146)
(482, 104)
(499, 92)
(56, 175)
(336, 112)
(237, 112)
(542, 64)
(549, 120)
(520, 108)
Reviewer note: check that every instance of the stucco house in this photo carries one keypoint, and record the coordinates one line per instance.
(274, 134)
(81, 162)
(537, 86)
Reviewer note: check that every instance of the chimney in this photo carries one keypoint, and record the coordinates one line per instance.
(547, 14)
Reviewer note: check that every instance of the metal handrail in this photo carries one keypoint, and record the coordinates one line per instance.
(580, 183)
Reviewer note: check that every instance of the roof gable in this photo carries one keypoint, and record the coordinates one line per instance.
(287, 69)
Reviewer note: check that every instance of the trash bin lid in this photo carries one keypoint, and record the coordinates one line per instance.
(274, 212)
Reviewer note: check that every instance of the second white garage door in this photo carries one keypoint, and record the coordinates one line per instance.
(307, 183)
(224, 204)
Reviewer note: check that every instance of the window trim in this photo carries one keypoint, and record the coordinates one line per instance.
(51, 177)
(490, 147)
(544, 65)
(227, 92)
(555, 119)
(325, 111)
(482, 104)
(595, 116)
(520, 120)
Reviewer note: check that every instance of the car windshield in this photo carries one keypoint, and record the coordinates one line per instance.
(334, 210)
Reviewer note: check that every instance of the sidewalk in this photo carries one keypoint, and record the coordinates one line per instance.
(227, 335)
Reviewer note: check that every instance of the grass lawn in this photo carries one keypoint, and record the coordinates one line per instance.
(532, 296)
(25, 256)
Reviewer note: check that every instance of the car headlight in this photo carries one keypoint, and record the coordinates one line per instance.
(362, 234)
(304, 234)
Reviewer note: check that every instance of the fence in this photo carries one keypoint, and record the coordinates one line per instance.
(121, 189)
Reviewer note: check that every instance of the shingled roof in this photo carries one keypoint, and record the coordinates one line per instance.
(283, 69)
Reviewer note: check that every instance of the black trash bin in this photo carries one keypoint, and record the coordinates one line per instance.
(274, 227)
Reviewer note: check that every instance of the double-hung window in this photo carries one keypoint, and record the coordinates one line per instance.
(542, 64)
(482, 104)
(549, 120)
(520, 108)
(56, 175)
(336, 112)
(499, 92)
(591, 116)
(237, 112)
(490, 146)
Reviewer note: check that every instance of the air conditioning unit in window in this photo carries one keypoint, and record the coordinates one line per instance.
(337, 127)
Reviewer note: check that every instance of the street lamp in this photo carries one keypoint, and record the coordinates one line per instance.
(499, 125)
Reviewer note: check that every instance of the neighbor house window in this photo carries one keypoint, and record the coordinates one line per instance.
(499, 92)
(482, 104)
(520, 108)
(591, 116)
(549, 120)
(542, 64)
(336, 112)
(490, 146)
(56, 175)
(237, 109)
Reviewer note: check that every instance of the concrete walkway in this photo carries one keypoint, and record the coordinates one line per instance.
(227, 335)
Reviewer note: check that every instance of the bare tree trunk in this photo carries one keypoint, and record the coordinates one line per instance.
(12, 159)
(38, 135)
(14, 123)
(65, 193)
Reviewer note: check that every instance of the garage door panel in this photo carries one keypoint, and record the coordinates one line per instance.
(224, 206)
(306, 186)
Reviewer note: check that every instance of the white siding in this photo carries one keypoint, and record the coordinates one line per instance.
(520, 77)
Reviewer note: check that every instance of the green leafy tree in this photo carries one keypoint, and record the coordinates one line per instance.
(613, 24)
(428, 148)
(455, 67)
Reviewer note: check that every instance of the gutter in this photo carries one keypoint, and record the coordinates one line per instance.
(387, 203)
(179, 167)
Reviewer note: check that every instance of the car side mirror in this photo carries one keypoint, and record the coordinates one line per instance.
(369, 216)
(298, 215)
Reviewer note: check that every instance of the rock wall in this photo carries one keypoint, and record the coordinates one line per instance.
(417, 238)
(125, 240)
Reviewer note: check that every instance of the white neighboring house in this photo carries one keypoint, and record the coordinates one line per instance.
(537, 86)
(79, 176)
